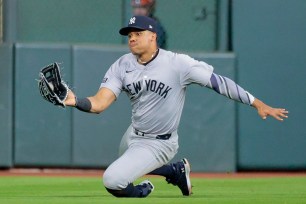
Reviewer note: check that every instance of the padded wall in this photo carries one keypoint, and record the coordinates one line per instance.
(6, 105)
(190, 25)
(96, 138)
(269, 40)
(94, 21)
(42, 131)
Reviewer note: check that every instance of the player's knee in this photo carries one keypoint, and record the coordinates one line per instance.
(109, 180)
(112, 180)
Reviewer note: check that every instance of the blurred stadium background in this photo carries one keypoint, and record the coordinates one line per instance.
(260, 44)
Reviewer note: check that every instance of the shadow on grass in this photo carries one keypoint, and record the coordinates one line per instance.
(57, 196)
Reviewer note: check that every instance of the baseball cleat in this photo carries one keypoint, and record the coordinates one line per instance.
(146, 187)
(182, 176)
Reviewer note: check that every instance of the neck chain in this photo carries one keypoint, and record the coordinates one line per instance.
(142, 62)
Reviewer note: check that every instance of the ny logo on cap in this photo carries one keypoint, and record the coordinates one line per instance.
(132, 20)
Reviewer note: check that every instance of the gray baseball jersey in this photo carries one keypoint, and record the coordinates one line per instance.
(156, 90)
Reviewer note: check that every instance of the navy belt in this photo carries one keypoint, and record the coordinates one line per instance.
(160, 137)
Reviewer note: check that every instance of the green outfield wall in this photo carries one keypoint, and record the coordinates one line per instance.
(270, 49)
(98, 22)
(42, 132)
(6, 105)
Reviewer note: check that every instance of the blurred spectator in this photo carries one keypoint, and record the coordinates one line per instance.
(147, 8)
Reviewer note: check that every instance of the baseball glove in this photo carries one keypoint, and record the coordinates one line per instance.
(51, 86)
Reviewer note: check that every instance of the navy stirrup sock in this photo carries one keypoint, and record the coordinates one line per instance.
(130, 191)
(166, 171)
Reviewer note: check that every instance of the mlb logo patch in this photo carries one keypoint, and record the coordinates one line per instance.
(104, 80)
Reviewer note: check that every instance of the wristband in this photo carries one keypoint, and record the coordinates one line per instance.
(83, 104)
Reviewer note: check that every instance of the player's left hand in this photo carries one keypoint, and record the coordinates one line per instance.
(264, 111)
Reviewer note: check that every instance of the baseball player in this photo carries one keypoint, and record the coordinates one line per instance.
(155, 80)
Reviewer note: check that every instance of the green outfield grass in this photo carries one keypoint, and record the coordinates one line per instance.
(53, 190)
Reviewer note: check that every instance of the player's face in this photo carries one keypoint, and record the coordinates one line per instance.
(141, 42)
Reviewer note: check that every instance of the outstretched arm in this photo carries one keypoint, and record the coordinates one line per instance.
(94, 104)
(230, 89)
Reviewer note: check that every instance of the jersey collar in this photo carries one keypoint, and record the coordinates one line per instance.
(145, 64)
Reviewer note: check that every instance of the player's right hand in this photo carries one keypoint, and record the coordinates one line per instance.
(70, 101)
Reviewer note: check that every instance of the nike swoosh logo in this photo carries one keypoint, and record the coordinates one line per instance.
(128, 71)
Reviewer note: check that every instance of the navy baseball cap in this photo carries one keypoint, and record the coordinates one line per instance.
(139, 22)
